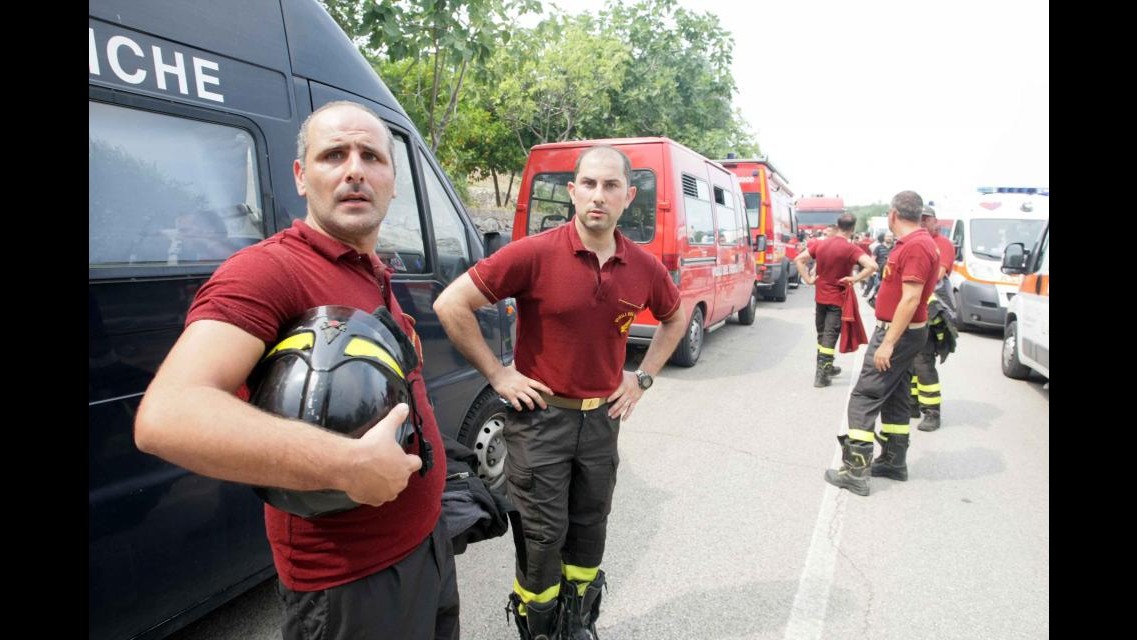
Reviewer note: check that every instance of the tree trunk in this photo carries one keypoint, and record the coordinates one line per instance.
(509, 189)
(496, 189)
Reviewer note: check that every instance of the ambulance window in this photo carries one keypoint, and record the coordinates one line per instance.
(697, 204)
(449, 232)
(725, 214)
(164, 190)
(957, 239)
(400, 237)
(638, 221)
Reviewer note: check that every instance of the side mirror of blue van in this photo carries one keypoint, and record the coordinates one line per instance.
(493, 241)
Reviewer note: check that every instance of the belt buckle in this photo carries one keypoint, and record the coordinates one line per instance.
(589, 403)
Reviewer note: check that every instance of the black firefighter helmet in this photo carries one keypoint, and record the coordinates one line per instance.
(339, 368)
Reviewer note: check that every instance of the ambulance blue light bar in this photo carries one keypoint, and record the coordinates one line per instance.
(1042, 191)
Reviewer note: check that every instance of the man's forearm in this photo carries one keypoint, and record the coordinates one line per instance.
(461, 325)
(663, 343)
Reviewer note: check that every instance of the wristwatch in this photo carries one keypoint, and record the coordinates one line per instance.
(644, 379)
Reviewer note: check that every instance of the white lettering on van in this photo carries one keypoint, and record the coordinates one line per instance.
(114, 45)
(198, 68)
(92, 54)
(166, 61)
(178, 69)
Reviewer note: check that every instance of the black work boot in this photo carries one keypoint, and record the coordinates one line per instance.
(581, 612)
(931, 420)
(856, 458)
(541, 620)
(832, 369)
(821, 378)
(891, 463)
(826, 363)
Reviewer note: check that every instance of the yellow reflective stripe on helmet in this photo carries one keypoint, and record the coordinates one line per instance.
(929, 388)
(300, 341)
(826, 351)
(548, 595)
(368, 349)
(898, 429)
(862, 435)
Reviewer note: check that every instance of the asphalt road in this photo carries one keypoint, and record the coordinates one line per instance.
(723, 528)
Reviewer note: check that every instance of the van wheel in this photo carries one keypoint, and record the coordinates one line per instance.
(1012, 367)
(795, 280)
(687, 353)
(747, 314)
(483, 430)
(778, 293)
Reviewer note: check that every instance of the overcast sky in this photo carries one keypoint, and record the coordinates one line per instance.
(864, 98)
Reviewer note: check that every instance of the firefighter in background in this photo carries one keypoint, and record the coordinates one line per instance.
(926, 398)
(901, 331)
(835, 257)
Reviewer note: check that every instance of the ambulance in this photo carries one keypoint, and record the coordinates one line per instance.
(982, 229)
(1026, 329)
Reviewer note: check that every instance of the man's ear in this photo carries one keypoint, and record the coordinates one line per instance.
(298, 175)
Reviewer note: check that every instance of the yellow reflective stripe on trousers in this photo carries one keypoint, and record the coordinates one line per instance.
(826, 351)
(929, 388)
(582, 576)
(934, 400)
(548, 595)
(862, 435)
(898, 429)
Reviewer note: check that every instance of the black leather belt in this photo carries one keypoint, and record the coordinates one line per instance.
(915, 325)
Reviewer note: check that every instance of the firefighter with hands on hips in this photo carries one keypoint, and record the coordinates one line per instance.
(926, 398)
(835, 258)
(578, 288)
(901, 332)
(342, 574)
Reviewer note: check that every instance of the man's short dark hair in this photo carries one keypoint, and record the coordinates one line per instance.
(909, 205)
(846, 222)
(605, 147)
(302, 136)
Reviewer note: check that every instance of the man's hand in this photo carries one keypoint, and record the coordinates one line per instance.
(623, 400)
(379, 469)
(882, 359)
(518, 389)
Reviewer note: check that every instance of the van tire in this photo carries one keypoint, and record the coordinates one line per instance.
(691, 346)
(795, 279)
(1012, 366)
(483, 431)
(747, 314)
(778, 292)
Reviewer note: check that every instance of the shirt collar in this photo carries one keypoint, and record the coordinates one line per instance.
(578, 245)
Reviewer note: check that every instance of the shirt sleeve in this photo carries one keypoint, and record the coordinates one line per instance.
(917, 265)
(505, 273)
(250, 291)
(664, 301)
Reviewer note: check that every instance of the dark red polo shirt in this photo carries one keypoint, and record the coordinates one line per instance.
(261, 289)
(913, 259)
(947, 252)
(835, 258)
(572, 314)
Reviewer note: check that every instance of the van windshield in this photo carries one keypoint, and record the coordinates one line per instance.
(990, 235)
(550, 206)
(818, 218)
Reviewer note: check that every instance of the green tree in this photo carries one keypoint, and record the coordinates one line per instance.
(433, 43)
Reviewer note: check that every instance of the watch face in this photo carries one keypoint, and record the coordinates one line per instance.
(645, 380)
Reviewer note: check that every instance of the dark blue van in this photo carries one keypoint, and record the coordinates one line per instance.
(194, 107)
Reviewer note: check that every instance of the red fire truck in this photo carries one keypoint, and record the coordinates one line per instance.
(815, 213)
(773, 226)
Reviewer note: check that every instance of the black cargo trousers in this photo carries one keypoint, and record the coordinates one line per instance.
(561, 473)
(887, 393)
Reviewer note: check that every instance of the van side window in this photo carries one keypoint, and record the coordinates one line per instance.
(400, 238)
(550, 205)
(449, 233)
(725, 214)
(753, 207)
(957, 237)
(164, 190)
(697, 204)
